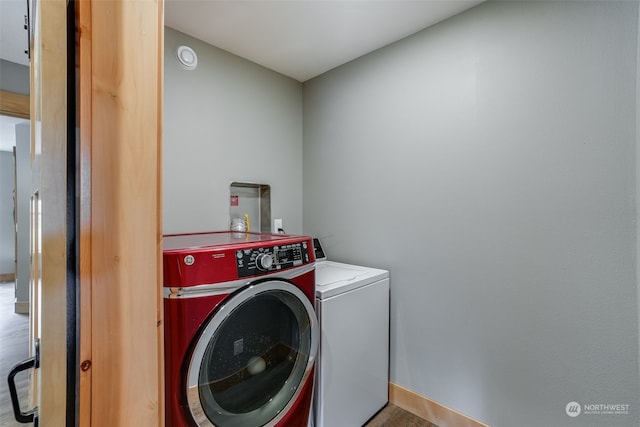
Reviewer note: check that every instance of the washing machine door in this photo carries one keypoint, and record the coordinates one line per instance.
(253, 356)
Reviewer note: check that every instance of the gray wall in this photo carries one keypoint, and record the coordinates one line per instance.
(228, 120)
(637, 170)
(14, 77)
(7, 251)
(489, 163)
(23, 195)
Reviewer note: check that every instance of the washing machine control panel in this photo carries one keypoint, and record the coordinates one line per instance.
(257, 261)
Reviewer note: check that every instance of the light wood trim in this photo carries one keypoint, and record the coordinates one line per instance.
(14, 104)
(83, 19)
(7, 277)
(122, 42)
(429, 410)
(50, 100)
(159, 223)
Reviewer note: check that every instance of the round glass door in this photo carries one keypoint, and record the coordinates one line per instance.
(253, 356)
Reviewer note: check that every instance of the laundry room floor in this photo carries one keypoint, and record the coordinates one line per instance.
(14, 336)
(393, 416)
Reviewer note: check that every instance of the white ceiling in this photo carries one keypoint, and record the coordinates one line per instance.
(298, 38)
(305, 38)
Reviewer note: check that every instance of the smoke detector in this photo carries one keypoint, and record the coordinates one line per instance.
(187, 58)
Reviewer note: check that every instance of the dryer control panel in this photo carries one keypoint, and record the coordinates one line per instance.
(262, 260)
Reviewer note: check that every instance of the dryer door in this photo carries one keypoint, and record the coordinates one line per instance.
(252, 357)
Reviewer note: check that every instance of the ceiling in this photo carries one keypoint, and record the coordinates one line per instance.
(298, 38)
(304, 38)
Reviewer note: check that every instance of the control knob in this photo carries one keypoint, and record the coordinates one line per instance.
(264, 262)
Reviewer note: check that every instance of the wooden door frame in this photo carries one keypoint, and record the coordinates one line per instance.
(48, 299)
(121, 45)
(120, 61)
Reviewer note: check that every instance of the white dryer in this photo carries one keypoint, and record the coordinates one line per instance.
(352, 305)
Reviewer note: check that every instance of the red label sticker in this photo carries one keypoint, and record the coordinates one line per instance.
(234, 200)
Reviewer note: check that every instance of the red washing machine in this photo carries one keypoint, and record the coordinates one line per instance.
(241, 334)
